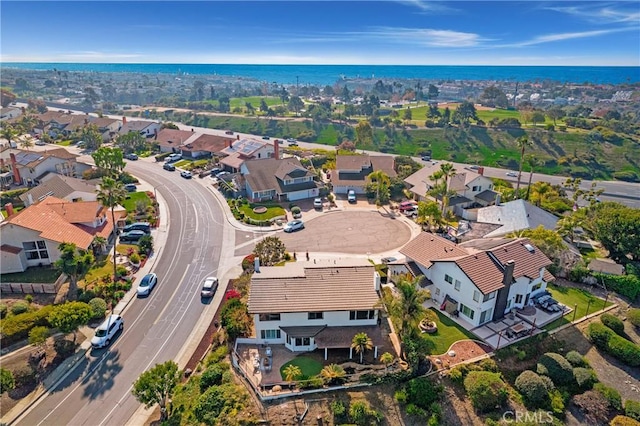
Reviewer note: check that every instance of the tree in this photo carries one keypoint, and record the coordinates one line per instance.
(25, 142)
(130, 142)
(548, 241)
(555, 113)
(270, 250)
(6, 97)
(111, 194)
(537, 117)
(379, 182)
(494, 97)
(170, 125)
(486, 390)
(407, 115)
(533, 162)
(361, 342)
(250, 108)
(432, 92)
(448, 171)
(533, 388)
(429, 213)
(465, 112)
(263, 106)
(156, 386)
(38, 336)
(234, 318)
(332, 373)
(386, 358)
(364, 133)
(110, 160)
(291, 372)
(296, 104)
(567, 225)
(408, 308)
(617, 227)
(69, 316)
(522, 142)
(540, 192)
(8, 132)
(7, 382)
(91, 136)
(75, 263)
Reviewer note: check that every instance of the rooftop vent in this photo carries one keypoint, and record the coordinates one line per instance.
(530, 248)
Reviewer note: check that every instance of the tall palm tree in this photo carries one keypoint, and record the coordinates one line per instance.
(533, 162)
(292, 372)
(332, 373)
(448, 171)
(8, 132)
(429, 214)
(523, 142)
(361, 342)
(382, 183)
(436, 176)
(540, 191)
(408, 308)
(111, 194)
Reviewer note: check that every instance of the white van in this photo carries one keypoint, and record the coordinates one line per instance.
(174, 157)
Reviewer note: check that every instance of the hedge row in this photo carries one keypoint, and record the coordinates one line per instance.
(605, 339)
(17, 327)
(626, 285)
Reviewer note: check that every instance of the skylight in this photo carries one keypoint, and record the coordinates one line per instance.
(530, 248)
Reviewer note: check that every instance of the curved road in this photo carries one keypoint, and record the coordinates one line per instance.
(98, 392)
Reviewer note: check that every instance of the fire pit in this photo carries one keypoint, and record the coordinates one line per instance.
(260, 210)
(427, 326)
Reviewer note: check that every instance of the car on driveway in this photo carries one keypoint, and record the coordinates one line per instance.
(294, 225)
(106, 331)
(131, 187)
(186, 174)
(132, 236)
(317, 203)
(170, 167)
(412, 212)
(131, 156)
(138, 226)
(407, 205)
(146, 285)
(266, 138)
(209, 287)
(512, 174)
(351, 196)
(40, 142)
(173, 158)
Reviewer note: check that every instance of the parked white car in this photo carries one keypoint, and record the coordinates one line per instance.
(209, 287)
(294, 225)
(351, 196)
(106, 331)
(147, 284)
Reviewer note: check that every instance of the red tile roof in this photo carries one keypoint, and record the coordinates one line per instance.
(427, 248)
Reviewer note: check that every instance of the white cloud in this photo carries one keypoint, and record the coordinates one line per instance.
(426, 6)
(601, 15)
(549, 38)
(82, 56)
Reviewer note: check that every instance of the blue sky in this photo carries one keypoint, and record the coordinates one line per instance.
(400, 32)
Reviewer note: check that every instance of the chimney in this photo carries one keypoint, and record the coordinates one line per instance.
(508, 273)
(230, 143)
(481, 171)
(498, 196)
(256, 265)
(155, 133)
(124, 120)
(276, 149)
(376, 281)
(14, 167)
(238, 137)
(30, 198)
(9, 208)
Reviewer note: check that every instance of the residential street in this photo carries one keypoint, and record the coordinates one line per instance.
(157, 328)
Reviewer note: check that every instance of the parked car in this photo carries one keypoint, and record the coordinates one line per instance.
(131, 187)
(228, 132)
(317, 203)
(426, 158)
(132, 236)
(173, 158)
(131, 156)
(215, 171)
(146, 285)
(351, 196)
(106, 331)
(292, 142)
(138, 226)
(222, 174)
(412, 212)
(40, 142)
(81, 144)
(294, 225)
(266, 138)
(186, 174)
(170, 167)
(209, 287)
(474, 167)
(512, 174)
(407, 205)
(388, 259)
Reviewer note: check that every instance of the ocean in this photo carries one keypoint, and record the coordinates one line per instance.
(330, 74)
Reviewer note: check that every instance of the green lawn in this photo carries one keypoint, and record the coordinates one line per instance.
(570, 296)
(309, 366)
(65, 143)
(254, 101)
(32, 275)
(448, 333)
(103, 266)
(133, 198)
(272, 211)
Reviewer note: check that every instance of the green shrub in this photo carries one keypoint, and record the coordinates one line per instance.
(456, 376)
(211, 377)
(626, 285)
(3, 310)
(17, 327)
(217, 355)
(488, 365)
(624, 421)
(486, 390)
(295, 210)
(613, 323)
(557, 402)
(576, 359)
(533, 388)
(98, 307)
(634, 316)
(423, 392)
(134, 258)
(624, 350)
(28, 298)
(611, 394)
(414, 410)
(599, 334)
(19, 308)
(361, 414)
(339, 411)
(556, 367)
(7, 382)
(632, 409)
(584, 377)
(401, 396)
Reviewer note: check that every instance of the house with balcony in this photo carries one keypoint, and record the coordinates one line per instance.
(352, 170)
(479, 280)
(31, 237)
(316, 305)
(472, 188)
(277, 179)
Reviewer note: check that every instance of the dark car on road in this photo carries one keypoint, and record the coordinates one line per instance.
(169, 166)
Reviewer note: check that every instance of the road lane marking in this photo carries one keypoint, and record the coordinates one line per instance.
(195, 209)
(172, 295)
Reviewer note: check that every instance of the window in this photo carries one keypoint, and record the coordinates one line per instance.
(270, 334)
(303, 341)
(536, 287)
(315, 315)
(476, 296)
(467, 311)
(457, 285)
(477, 188)
(486, 315)
(269, 317)
(489, 296)
(518, 298)
(437, 291)
(508, 303)
(362, 315)
(35, 250)
(448, 278)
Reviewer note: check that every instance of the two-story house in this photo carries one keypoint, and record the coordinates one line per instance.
(481, 280)
(10, 112)
(144, 127)
(28, 167)
(277, 179)
(241, 150)
(59, 186)
(471, 187)
(352, 170)
(316, 305)
(31, 237)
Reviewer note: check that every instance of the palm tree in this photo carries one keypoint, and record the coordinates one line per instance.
(332, 373)
(74, 263)
(429, 214)
(533, 162)
(566, 226)
(447, 172)
(540, 191)
(8, 132)
(386, 358)
(523, 142)
(361, 342)
(381, 182)
(111, 194)
(25, 142)
(408, 308)
(292, 372)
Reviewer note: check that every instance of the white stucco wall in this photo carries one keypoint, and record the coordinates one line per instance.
(10, 262)
(15, 235)
(301, 195)
(524, 286)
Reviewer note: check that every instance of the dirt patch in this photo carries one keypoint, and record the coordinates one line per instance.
(464, 351)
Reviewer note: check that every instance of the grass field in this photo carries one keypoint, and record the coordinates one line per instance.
(255, 101)
(571, 297)
(309, 366)
(448, 333)
(32, 275)
(133, 198)
(272, 211)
